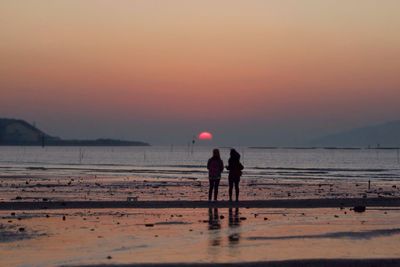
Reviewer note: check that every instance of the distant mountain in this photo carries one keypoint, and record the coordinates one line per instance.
(19, 132)
(15, 132)
(382, 135)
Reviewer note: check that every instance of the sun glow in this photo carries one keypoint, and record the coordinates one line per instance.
(205, 136)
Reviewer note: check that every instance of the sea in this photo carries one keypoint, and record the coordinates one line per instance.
(190, 162)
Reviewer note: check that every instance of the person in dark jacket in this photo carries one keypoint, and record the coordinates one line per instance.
(235, 172)
(215, 167)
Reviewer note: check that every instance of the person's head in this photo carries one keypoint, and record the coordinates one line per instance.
(235, 154)
(216, 153)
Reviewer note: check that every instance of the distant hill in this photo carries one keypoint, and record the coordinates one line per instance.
(14, 132)
(382, 135)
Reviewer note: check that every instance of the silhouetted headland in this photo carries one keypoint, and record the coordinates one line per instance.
(14, 132)
(376, 136)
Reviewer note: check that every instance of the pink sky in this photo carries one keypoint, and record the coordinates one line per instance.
(208, 62)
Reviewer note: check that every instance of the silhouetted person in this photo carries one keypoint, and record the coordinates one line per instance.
(215, 167)
(235, 172)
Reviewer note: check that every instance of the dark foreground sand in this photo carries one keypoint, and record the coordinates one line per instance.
(279, 203)
(54, 187)
(289, 263)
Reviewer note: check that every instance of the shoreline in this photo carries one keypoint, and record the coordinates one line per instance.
(276, 203)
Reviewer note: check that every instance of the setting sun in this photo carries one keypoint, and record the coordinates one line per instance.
(205, 136)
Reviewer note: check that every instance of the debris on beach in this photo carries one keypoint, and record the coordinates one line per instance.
(130, 199)
(359, 208)
(234, 237)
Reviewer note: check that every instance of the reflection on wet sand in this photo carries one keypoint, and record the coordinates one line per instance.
(214, 225)
(213, 219)
(234, 223)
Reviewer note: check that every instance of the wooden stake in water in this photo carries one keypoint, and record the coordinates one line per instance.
(81, 155)
(369, 184)
(192, 148)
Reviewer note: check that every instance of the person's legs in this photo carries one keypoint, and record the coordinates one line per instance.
(230, 189)
(237, 190)
(210, 189)
(216, 184)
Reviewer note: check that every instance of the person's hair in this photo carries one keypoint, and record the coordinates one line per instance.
(234, 154)
(216, 153)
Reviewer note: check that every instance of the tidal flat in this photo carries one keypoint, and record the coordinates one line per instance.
(216, 235)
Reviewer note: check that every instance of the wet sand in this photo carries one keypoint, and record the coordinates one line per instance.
(86, 220)
(250, 236)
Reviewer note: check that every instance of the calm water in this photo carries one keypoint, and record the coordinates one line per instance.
(182, 162)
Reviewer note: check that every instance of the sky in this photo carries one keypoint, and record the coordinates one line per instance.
(252, 72)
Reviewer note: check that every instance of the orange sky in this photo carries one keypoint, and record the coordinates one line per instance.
(221, 61)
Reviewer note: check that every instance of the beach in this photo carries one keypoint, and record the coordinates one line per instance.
(277, 236)
(59, 213)
(158, 231)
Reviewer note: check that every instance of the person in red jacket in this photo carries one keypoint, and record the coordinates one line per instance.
(215, 167)
(235, 172)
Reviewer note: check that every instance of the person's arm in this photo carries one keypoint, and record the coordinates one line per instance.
(241, 167)
(221, 167)
(228, 167)
(208, 164)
